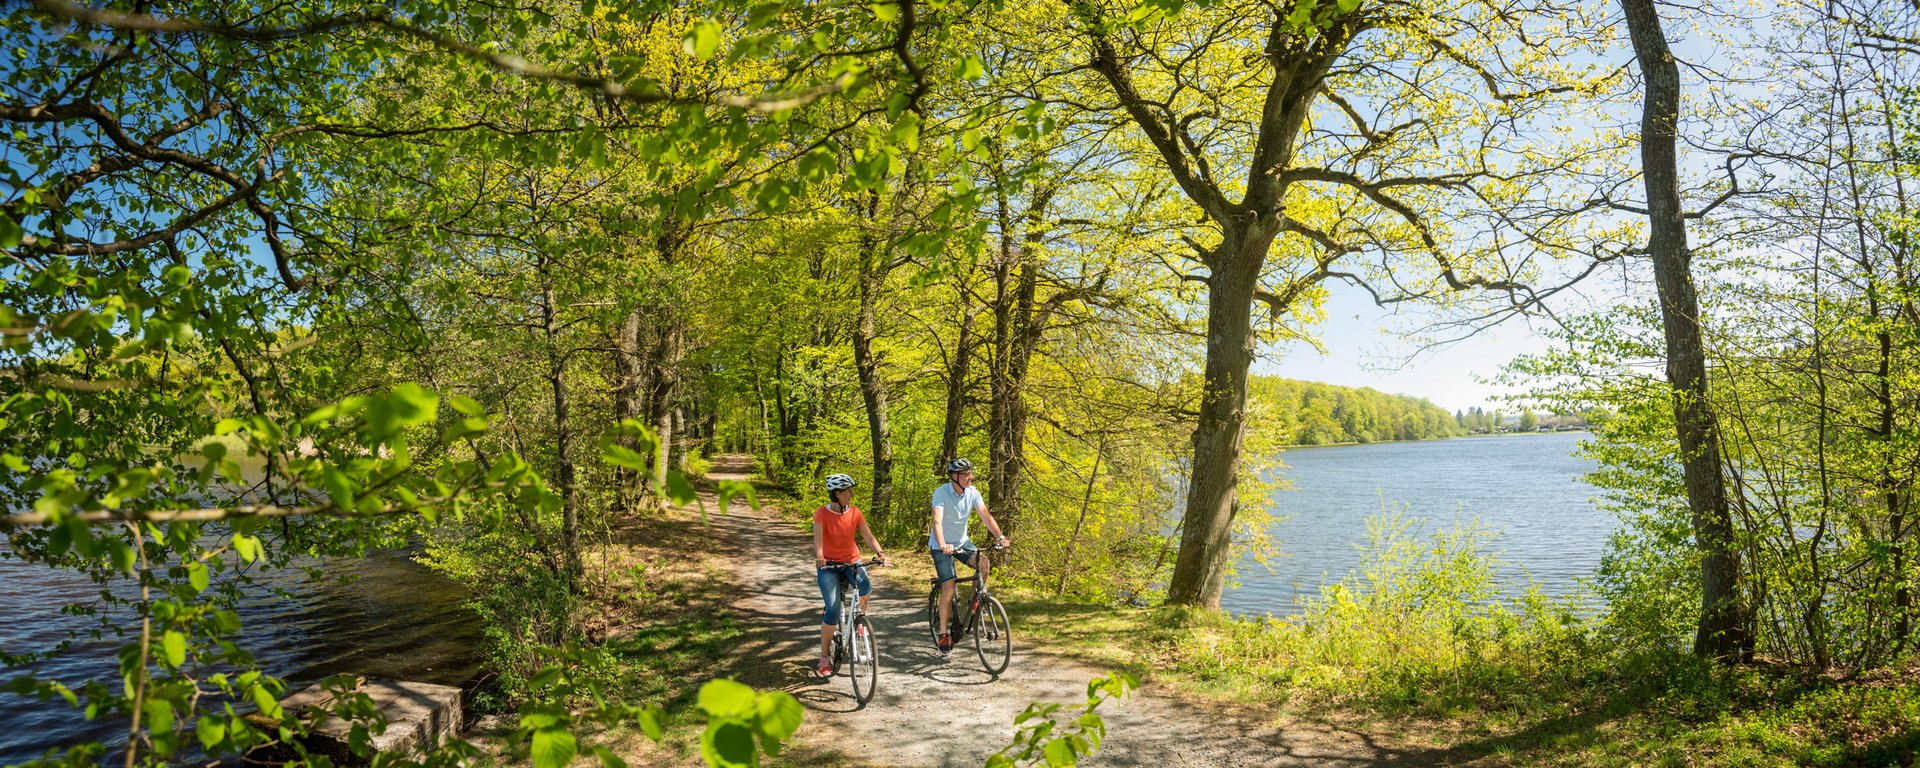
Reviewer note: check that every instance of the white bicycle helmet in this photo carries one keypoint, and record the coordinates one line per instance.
(839, 482)
(959, 465)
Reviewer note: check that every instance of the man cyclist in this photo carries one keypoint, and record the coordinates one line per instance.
(953, 505)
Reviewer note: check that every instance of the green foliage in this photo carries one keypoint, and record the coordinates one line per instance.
(1324, 414)
(1419, 623)
(1056, 735)
(743, 723)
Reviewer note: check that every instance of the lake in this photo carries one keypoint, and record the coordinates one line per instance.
(1527, 488)
(382, 616)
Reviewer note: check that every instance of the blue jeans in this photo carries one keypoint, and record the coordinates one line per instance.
(943, 563)
(829, 579)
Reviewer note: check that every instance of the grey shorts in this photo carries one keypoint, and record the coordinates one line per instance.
(943, 562)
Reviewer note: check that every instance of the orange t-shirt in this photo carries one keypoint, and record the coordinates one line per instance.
(836, 533)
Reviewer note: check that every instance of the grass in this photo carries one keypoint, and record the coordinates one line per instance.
(1594, 710)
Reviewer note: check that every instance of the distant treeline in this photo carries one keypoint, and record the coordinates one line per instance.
(1324, 414)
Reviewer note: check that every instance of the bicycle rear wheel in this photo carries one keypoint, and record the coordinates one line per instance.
(993, 636)
(863, 664)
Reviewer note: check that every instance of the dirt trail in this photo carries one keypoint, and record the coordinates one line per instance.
(935, 711)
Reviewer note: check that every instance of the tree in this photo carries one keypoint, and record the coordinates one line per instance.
(1723, 631)
(1329, 168)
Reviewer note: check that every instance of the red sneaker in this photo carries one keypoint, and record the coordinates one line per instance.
(826, 667)
(946, 642)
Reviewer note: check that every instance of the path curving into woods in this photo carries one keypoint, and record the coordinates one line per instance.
(947, 712)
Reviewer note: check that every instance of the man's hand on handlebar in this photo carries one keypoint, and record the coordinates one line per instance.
(946, 549)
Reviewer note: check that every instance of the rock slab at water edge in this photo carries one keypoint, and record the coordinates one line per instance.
(418, 715)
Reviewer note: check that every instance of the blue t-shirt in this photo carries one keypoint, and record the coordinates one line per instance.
(956, 507)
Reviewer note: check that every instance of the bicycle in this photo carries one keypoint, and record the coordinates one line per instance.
(851, 646)
(984, 618)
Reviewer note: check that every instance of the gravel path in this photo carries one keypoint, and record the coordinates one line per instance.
(935, 711)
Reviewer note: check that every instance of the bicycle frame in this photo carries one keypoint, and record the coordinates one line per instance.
(979, 579)
(849, 602)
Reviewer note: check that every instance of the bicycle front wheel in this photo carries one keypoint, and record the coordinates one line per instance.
(933, 616)
(993, 636)
(863, 664)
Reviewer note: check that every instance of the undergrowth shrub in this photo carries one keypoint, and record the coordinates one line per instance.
(1421, 623)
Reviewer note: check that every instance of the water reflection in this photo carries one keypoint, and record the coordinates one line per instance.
(380, 616)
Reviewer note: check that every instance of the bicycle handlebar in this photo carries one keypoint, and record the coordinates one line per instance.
(860, 564)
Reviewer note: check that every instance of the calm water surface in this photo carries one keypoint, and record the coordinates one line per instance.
(380, 616)
(1527, 488)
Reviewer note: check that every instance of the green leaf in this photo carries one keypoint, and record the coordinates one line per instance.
(885, 12)
(622, 456)
(1060, 753)
(651, 719)
(970, 68)
(999, 761)
(247, 547)
(467, 405)
(679, 490)
(726, 698)
(729, 744)
(122, 555)
(553, 748)
(174, 645)
(779, 715)
(733, 489)
(702, 40)
(407, 405)
(10, 232)
(197, 576)
(607, 758)
(263, 698)
(211, 730)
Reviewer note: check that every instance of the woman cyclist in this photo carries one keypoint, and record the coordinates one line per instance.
(833, 527)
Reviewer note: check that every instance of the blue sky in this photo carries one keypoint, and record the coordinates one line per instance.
(1365, 349)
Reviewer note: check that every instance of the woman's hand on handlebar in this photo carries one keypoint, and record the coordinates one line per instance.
(819, 562)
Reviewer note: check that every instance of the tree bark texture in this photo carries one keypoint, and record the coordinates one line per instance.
(1206, 530)
(1723, 631)
(957, 372)
(629, 402)
(875, 263)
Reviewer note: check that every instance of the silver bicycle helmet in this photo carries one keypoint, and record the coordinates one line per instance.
(839, 482)
(959, 465)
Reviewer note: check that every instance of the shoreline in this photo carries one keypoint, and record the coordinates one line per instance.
(1292, 446)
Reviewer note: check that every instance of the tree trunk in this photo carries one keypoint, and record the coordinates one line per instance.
(874, 266)
(1200, 569)
(956, 390)
(874, 393)
(563, 469)
(1007, 417)
(1723, 632)
(629, 402)
(662, 450)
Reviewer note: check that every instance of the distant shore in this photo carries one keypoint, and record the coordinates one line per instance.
(1514, 433)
